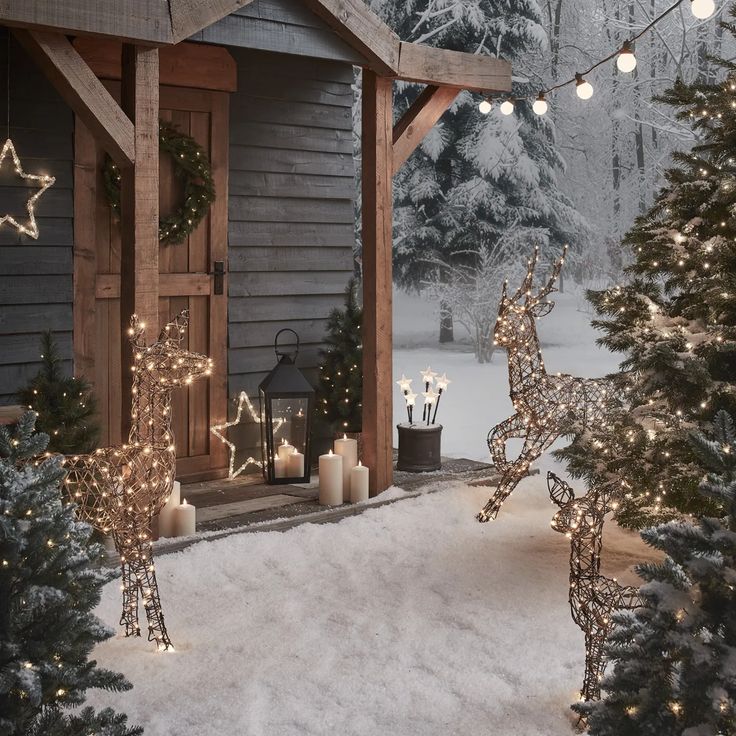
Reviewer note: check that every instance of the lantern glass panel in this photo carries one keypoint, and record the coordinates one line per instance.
(291, 415)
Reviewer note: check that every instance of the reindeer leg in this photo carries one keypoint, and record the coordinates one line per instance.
(500, 434)
(595, 665)
(534, 446)
(151, 601)
(129, 617)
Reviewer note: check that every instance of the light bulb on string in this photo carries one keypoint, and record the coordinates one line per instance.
(702, 9)
(626, 61)
(583, 88)
(507, 107)
(484, 107)
(540, 105)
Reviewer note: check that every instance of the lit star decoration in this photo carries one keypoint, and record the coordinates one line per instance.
(218, 429)
(44, 182)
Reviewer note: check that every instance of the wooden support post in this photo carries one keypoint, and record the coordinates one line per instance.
(377, 217)
(419, 119)
(139, 205)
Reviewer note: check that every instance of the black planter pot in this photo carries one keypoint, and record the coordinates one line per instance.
(419, 448)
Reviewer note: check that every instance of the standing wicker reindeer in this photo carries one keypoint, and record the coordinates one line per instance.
(593, 597)
(546, 407)
(119, 489)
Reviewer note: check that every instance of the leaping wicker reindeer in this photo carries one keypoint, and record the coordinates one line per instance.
(593, 597)
(119, 489)
(546, 407)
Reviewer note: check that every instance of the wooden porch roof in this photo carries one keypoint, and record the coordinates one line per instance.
(167, 22)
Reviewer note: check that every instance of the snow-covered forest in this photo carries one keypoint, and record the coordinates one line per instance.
(580, 174)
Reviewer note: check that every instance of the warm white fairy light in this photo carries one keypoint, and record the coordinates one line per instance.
(244, 402)
(484, 107)
(540, 105)
(44, 182)
(507, 107)
(626, 61)
(583, 88)
(702, 9)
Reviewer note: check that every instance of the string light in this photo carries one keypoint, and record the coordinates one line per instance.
(545, 406)
(120, 489)
(626, 61)
(507, 107)
(244, 402)
(625, 58)
(44, 182)
(540, 105)
(593, 597)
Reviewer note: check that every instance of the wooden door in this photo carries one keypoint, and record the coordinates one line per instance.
(186, 281)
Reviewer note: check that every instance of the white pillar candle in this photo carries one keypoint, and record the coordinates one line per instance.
(348, 448)
(359, 476)
(295, 465)
(284, 450)
(166, 515)
(185, 519)
(279, 467)
(330, 479)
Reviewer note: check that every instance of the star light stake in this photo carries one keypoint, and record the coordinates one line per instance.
(411, 399)
(428, 377)
(442, 383)
(45, 182)
(218, 429)
(430, 396)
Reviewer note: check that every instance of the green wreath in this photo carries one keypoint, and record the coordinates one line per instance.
(191, 164)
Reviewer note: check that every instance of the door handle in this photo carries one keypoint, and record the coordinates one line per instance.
(218, 271)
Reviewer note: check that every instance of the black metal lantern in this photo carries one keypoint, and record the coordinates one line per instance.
(287, 404)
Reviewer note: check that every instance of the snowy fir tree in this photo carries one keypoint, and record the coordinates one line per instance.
(675, 657)
(65, 405)
(478, 181)
(674, 321)
(340, 388)
(48, 590)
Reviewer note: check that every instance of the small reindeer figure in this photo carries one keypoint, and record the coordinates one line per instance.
(546, 407)
(119, 489)
(593, 597)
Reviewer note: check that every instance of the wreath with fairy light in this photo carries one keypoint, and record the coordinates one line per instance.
(191, 164)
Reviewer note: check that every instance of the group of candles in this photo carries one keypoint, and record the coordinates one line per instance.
(177, 518)
(288, 461)
(342, 477)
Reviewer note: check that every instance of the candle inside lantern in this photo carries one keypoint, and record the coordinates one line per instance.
(295, 465)
(330, 479)
(359, 476)
(185, 519)
(279, 467)
(284, 450)
(166, 515)
(348, 448)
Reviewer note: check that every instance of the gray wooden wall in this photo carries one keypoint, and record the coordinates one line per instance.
(291, 206)
(35, 275)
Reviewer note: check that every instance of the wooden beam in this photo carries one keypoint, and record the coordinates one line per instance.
(430, 65)
(355, 23)
(83, 92)
(196, 65)
(139, 20)
(419, 119)
(139, 272)
(190, 16)
(377, 217)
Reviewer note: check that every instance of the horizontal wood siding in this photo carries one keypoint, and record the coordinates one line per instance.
(284, 26)
(35, 275)
(290, 205)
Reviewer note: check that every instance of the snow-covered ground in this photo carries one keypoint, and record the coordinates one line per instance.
(410, 618)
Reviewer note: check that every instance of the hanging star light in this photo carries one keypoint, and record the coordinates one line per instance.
(44, 182)
(244, 402)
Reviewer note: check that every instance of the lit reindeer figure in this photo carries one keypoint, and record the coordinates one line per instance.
(546, 407)
(119, 489)
(593, 597)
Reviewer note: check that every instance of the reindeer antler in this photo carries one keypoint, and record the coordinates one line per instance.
(526, 284)
(549, 286)
(135, 331)
(174, 331)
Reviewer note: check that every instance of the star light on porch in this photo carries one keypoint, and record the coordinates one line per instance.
(44, 182)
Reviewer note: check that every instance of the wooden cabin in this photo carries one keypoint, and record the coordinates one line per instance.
(265, 87)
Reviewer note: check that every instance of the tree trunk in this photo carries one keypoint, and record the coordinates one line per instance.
(446, 326)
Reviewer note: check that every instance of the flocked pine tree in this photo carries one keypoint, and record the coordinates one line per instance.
(65, 405)
(48, 591)
(675, 657)
(340, 388)
(674, 320)
(477, 182)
